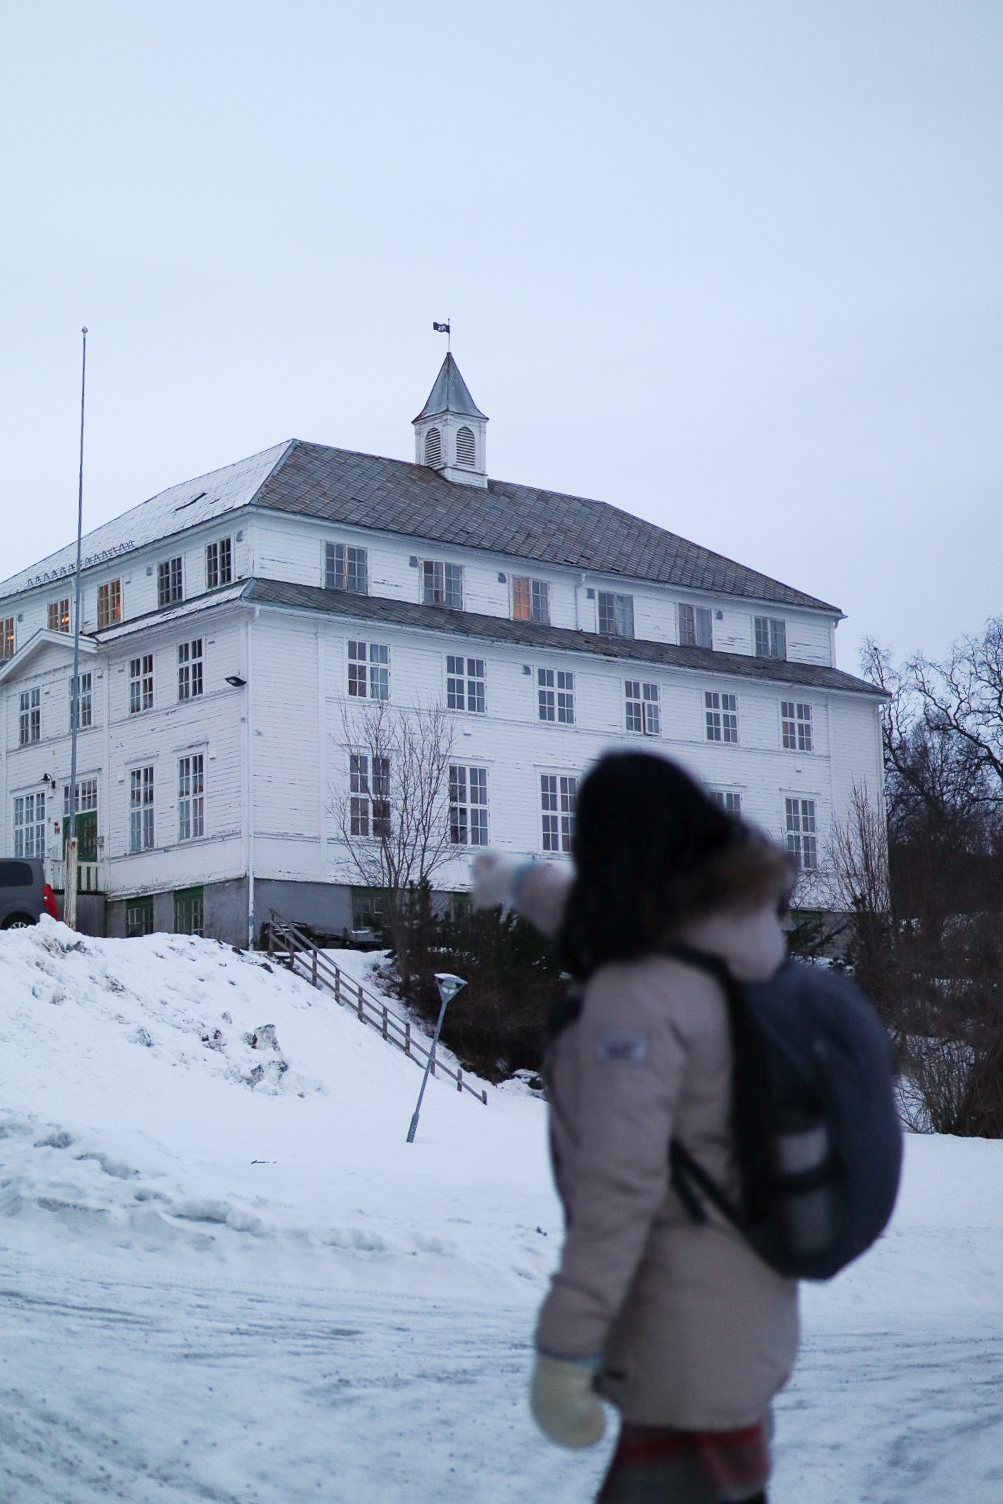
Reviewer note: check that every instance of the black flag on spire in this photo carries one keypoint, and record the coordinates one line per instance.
(440, 328)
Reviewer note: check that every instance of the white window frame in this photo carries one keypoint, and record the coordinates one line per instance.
(769, 637)
(796, 733)
(29, 825)
(369, 801)
(615, 614)
(730, 800)
(696, 626)
(170, 581)
(642, 709)
(86, 701)
(190, 669)
(558, 792)
(801, 829)
(555, 696)
(58, 614)
(109, 604)
(530, 600)
(29, 717)
(441, 584)
(468, 805)
(140, 683)
(191, 796)
(87, 797)
(368, 670)
(465, 684)
(721, 717)
(6, 638)
(346, 567)
(219, 563)
(142, 826)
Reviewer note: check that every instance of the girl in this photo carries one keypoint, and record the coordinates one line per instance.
(675, 1322)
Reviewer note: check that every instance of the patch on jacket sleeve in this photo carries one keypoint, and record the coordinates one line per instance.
(622, 1047)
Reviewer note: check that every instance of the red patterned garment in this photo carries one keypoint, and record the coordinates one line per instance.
(652, 1464)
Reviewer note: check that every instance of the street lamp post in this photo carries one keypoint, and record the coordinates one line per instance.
(449, 986)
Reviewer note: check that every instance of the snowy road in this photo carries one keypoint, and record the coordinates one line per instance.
(193, 1390)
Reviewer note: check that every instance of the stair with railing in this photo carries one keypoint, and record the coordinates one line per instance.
(290, 946)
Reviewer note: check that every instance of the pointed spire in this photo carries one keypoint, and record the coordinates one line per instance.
(450, 395)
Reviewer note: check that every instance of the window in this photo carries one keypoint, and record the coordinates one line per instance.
(369, 811)
(59, 615)
(109, 603)
(771, 637)
(802, 842)
(433, 448)
(30, 720)
(721, 713)
(556, 695)
(728, 800)
(191, 797)
(465, 691)
(345, 568)
(530, 600)
(369, 670)
(141, 683)
(468, 806)
(169, 582)
(87, 797)
(139, 917)
(141, 809)
(695, 627)
(29, 825)
(190, 669)
(616, 614)
(218, 563)
(557, 805)
(642, 707)
(189, 912)
(86, 701)
(466, 448)
(6, 637)
(795, 726)
(367, 909)
(441, 585)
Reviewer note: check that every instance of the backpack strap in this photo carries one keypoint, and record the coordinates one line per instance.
(688, 1178)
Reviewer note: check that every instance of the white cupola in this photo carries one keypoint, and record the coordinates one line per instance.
(450, 432)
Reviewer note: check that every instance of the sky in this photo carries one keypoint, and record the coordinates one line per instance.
(733, 267)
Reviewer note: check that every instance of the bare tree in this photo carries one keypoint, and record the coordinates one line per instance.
(394, 814)
(962, 700)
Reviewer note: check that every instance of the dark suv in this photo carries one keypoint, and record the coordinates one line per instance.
(24, 894)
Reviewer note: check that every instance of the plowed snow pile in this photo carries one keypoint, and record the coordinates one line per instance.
(226, 1276)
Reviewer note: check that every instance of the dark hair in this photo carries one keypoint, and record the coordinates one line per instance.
(651, 849)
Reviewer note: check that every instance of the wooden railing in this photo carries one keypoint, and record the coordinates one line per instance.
(288, 945)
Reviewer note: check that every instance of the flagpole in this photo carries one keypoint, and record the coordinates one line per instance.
(70, 896)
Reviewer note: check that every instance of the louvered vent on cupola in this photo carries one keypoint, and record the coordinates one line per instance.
(433, 448)
(466, 448)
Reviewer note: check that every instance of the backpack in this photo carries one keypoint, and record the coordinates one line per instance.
(816, 1129)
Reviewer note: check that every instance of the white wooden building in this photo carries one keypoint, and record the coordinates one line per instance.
(233, 624)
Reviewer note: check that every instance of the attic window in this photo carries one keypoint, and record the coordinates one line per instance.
(466, 450)
(433, 448)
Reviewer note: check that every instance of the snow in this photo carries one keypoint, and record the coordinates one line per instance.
(225, 1275)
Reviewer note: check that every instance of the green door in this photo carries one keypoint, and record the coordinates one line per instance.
(87, 848)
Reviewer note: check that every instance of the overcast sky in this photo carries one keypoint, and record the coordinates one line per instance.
(734, 267)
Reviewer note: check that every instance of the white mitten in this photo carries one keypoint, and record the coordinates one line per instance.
(564, 1404)
(494, 879)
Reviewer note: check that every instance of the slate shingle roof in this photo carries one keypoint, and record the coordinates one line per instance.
(450, 394)
(338, 485)
(498, 629)
(395, 496)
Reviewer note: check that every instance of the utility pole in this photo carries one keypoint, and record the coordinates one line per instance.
(70, 894)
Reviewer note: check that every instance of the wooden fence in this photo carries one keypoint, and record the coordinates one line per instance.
(288, 945)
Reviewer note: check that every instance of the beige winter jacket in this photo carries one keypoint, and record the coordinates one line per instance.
(693, 1329)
